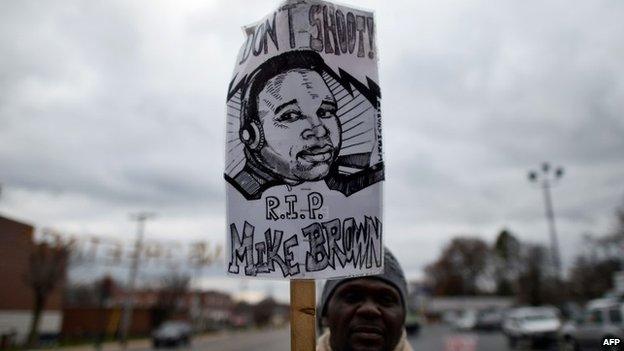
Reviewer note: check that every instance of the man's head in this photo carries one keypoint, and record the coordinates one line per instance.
(366, 313)
(290, 117)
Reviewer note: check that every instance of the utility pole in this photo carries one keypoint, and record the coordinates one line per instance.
(547, 178)
(140, 218)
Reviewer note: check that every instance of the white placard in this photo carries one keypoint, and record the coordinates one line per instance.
(304, 166)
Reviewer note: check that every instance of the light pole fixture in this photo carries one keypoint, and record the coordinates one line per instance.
(547, 177)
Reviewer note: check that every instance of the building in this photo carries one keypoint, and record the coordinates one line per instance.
(440, 305)
(209, 309)
(436, 308)
(86, 317)
(16, 297)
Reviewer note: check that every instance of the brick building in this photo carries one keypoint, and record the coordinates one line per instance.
(84, 318)
(205, 309)
(210, 309)
(16, 298)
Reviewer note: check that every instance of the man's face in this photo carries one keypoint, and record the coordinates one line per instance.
(365, 315)
(298, 115)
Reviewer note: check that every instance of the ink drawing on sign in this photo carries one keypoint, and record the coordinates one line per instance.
(304, 165)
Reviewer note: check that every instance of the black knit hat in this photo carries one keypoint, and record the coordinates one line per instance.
(393, 275)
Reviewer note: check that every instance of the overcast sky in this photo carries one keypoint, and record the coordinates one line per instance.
(107, 108)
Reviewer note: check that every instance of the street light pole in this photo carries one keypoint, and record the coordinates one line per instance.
(140, 218)
(547, 179)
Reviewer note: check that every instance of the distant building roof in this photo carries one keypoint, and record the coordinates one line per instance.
(7, 223)
(458, 303)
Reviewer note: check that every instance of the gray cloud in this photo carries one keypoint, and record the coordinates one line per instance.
(112, 107)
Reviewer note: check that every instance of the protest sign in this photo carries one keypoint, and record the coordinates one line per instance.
(304, 166)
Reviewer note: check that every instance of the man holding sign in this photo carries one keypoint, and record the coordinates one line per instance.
(365, 313)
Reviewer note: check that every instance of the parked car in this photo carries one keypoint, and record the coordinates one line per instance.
(413, 322)
(466, 321)
(535, 326)
(489, 320)
(172, 333)
(603, 319)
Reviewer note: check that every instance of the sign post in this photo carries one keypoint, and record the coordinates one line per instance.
(302, 315)
(304, 164)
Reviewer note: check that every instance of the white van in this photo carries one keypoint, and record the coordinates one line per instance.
(603, 320)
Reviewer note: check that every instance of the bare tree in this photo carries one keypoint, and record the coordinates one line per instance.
(264, 311)
(46, 272)
(591, 275)
(591, 279)
(172, 290)
(618, 232)
(506, 262)
(537, 282)
(460, 266)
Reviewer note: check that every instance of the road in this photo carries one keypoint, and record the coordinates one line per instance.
(278, 340)
(431, 338)
(440, 337)
(266, 340)
(443, 338)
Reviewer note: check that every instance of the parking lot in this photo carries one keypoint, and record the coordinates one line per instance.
(437, 337)
(444, 338)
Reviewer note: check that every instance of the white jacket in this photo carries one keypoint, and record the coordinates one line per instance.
(323, 343)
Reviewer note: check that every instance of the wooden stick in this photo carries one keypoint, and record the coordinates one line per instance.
(302, 315)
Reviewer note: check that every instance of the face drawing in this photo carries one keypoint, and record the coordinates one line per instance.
(297, 112)
(365, 315)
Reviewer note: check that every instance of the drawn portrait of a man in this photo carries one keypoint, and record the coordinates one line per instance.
(297, 113)
(288, 124)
